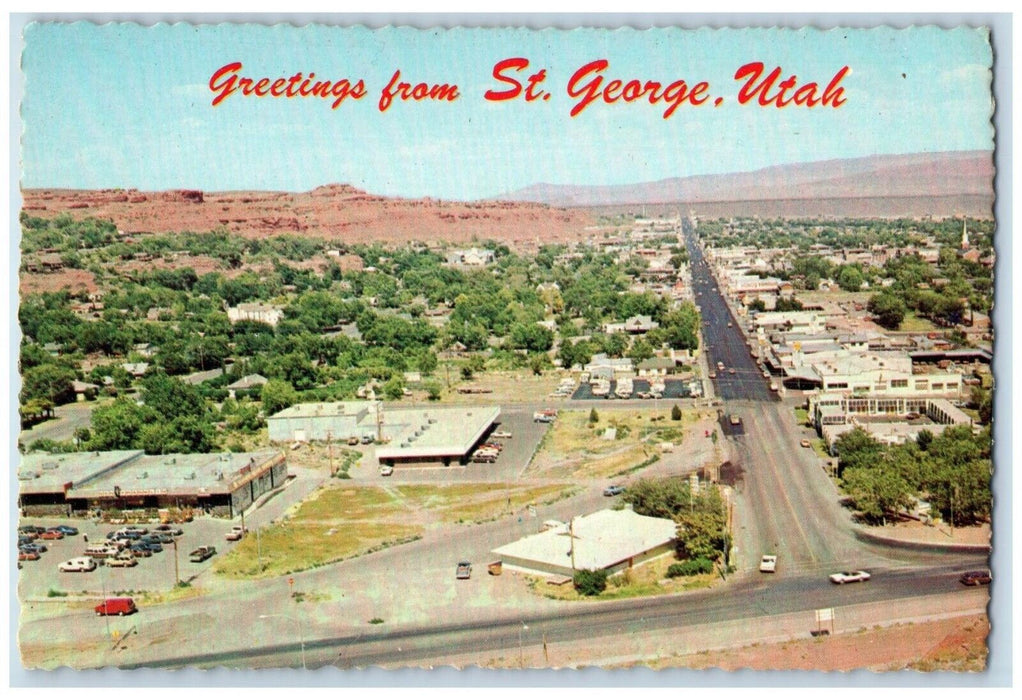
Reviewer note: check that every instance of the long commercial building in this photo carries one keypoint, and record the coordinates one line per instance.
(220, 484)
(404, 436)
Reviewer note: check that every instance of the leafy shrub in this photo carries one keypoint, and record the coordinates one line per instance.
(590, 582)
(692, 567)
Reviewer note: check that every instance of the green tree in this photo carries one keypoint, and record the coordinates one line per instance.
(702, 527)
(676, 412)
(276, 395)
(594, 417)
(119, 425)
(51, 382)
(433, 391)
(877, 492)
(659, 498)
(887, 309)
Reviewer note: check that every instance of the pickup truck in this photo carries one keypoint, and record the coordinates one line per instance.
(547, 416)
(768, 564)
(201, 554)
(236, 533)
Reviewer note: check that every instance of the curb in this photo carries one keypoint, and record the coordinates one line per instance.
(918, 546)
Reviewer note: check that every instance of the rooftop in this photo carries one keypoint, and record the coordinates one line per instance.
(601, 540)
(336, 408)
(49, 473)
(435, 432)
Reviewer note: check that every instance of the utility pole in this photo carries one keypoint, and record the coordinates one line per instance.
(177, 574)
(571, 536)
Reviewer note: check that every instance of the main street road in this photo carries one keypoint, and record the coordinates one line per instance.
(752, 597)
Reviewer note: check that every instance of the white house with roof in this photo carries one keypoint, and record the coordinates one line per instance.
(607, 540)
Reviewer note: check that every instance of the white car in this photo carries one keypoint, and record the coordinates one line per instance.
(849, 577)
(501, 434)
(768, 564)
(78, 564)
(386, 470)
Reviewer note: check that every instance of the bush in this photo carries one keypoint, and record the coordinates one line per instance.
(594, 417)
(589, 582)
(676, 412)
(692, 567)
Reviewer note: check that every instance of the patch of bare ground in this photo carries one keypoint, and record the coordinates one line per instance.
(954, 644)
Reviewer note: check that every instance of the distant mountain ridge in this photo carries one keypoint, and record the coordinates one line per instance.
(926, 175)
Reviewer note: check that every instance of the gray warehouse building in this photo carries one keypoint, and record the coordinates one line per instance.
(447, 435)
(221, 484)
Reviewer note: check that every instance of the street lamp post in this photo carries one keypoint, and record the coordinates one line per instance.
(521, 648)
(301, 635)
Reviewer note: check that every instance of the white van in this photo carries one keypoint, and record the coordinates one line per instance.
(78, 564)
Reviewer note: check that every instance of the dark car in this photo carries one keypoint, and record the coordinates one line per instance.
(170, 529)
(31, 530)
(140, 550)
(201, 554)
(975, 578)
(25, 539)
(151, 547)
(159, 538)
(614, 490)
(65, 529)
(37, 548)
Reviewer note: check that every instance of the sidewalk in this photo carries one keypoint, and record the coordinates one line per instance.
(916, 534)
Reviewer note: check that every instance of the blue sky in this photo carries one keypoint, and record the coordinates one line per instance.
(121, 105)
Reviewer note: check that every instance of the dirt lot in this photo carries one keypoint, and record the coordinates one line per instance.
(575, 448)
(955, 644)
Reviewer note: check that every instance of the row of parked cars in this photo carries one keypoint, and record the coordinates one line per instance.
(31, 537)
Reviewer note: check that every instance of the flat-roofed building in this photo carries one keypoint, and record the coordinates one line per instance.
(221, 484)
(444, 435)
(320, 422)
(607, 540)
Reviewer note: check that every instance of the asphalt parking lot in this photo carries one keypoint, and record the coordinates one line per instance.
(673, 389)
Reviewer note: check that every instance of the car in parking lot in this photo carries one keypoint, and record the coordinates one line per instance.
(235, 533)
(170, 529)
(32, 547)
(66, 529)
(386, 470)
(122, 559)
(139, 549)
(201, 554)
(116, 606)
(27, 555)
(464, 570)
(975, 578)
(613, 490)
(51, 535)
(31, 530)
(77, 564)
(151, 547)
(849, 577)
(501, 434)
(768, 564)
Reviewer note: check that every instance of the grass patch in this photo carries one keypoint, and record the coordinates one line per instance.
(340, 522)
(801, 415)
(916, 324)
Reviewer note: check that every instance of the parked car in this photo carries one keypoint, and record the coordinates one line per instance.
(805, 443)
(139, 549)
(768, 564)
(27, 555)
(151, 547)
(122, 559)
(849, 577)
(31, 530)
(170, 529)
(613, 490)
(501, 434)
(25, 539)
(32, 547)
(386, 470)
(975, 578)
(116, 606)
(236, 533)
(135, 529)
(201, 554)
(78, 564)
(464, 570)
(159, 538)
(66, 529)
(52, 535)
